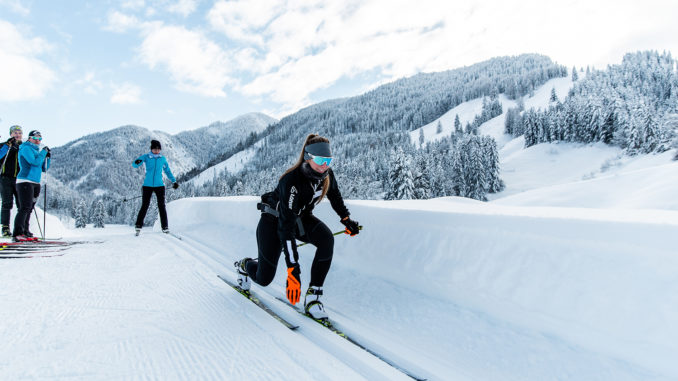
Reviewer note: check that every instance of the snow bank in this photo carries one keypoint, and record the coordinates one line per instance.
(603, 280)
(48, 223)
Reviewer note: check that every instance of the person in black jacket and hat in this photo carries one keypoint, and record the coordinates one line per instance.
(9, 157)
(287, 215)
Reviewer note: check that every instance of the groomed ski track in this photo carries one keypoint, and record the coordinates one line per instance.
(366, 365)
(151, 307)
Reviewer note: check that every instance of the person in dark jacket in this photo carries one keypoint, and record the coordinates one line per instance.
(9, 157)
(156, 164)
(33, 161)
(287, 215)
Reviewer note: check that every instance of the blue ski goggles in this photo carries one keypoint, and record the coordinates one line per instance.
(320, 160)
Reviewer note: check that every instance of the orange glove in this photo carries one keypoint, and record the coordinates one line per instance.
(293, 284)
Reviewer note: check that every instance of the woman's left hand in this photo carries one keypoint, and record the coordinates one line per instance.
(352, 227)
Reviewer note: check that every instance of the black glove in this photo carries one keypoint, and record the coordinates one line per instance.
(293, 283)
(49, 153)
(352, 227)
(137, 162)
(175, 185)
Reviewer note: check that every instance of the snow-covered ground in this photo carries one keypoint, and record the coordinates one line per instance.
(450, 289)
(568, 274)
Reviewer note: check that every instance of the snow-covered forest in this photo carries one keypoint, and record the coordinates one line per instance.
(631, 105)
(369, 134)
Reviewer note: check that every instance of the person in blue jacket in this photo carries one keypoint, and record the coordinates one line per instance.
(33, 161)
(156, 164)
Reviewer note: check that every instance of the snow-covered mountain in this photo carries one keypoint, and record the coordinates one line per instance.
(99, 165)
(206, 143)
(365, 129)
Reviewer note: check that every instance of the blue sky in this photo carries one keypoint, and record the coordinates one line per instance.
(70, 68)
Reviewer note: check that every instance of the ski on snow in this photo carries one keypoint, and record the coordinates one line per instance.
(324, 322)
(253, 298)
(31, 254)
(327, 323)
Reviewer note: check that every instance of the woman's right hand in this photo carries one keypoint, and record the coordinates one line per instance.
(293, 284)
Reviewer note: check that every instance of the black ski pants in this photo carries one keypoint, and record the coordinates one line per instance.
(27, 196)
(146, 194)
(270, 248)
(9, 195)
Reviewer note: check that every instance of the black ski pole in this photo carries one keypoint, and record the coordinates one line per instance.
(134, 198)
(130, 198)
(44, 216)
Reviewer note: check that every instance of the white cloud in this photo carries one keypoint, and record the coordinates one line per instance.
(22, 75)
(296, 47)
(285, 50)
(243, 20)
(126, 93)
(89, 83)
(133, 4)
(183, 7)
(120, 23)
(16, 6)
(195, 63)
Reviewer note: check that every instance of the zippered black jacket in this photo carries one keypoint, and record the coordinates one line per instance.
(10, 162)
(296, 195)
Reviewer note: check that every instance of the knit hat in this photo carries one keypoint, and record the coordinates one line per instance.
(14, 128)
(155, 144)
(34, 133)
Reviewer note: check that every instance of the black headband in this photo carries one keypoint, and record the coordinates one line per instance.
(318, 149)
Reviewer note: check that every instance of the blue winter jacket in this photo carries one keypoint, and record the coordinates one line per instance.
(32, 162)
(155, 166)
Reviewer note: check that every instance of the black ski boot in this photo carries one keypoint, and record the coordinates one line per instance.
(6, 233)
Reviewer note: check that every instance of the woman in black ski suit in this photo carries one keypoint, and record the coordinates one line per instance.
(287, 216)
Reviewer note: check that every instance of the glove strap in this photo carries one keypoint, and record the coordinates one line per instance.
(291, 254)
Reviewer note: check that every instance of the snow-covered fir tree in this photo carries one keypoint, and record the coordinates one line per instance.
(554, 96)
(422, 176)
(81, 215)
(457, 125)
(99, 215)
(400, 177)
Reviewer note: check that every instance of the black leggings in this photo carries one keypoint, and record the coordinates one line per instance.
(146, 202)
(27, 195)
(270, 247)
(8, 196)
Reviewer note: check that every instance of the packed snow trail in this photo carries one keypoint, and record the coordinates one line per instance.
(145, 308)
(450, 289)
(461, 289)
